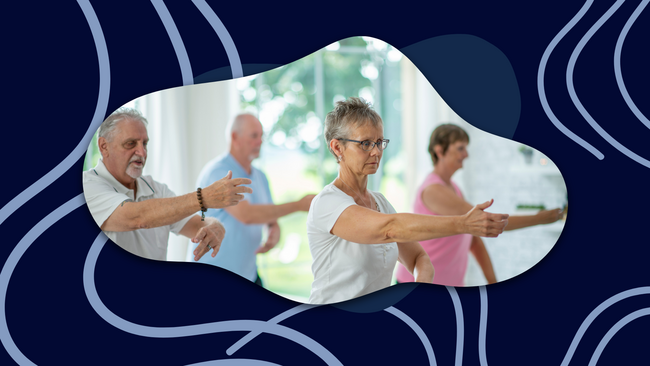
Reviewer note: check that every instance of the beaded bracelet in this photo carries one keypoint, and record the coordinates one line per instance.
(203, 209)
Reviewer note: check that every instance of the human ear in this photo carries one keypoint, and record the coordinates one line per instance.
(438, 150)
(102, 144)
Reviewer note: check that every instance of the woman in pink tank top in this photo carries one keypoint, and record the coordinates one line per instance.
(439, 195)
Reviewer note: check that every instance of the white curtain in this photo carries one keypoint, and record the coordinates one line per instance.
(186, 129)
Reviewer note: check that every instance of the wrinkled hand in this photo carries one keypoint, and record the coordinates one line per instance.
(305, 202)
(549, 216)
(225, 192)
(480, 223)
(271, 241)
(209, 238)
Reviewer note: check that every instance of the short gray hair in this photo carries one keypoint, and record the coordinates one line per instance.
(346, 115)
(107, 129)
(235, 125)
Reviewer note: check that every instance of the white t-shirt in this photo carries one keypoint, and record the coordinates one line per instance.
(342, 269)
(104, 194)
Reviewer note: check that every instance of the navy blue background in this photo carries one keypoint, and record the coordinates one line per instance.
(51, 80)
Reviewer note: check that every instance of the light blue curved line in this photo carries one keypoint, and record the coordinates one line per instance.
(12, 262)
(460, 324)
(482, 330)
(416, 328)
(275, 320)
(540, 83)
(617, 64)
(595, 313)
(608, 336)
(98, 117)
(177, 41)
(574, 97)
(224, 36)
(188, 330)
(235, 362)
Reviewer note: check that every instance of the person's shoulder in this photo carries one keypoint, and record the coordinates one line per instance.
(330, 193)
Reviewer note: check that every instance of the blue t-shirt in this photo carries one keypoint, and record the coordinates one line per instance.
(237, 252)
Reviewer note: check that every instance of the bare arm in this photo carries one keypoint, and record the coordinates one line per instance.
(248, 213)
(542, 217)
(444, 201)
(364, 226)
(416, 260)
(477, 248)
(165, 211)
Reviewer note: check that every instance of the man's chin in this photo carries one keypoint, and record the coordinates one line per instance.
(134, 173)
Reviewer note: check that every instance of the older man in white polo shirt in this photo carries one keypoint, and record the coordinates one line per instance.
(135, 211)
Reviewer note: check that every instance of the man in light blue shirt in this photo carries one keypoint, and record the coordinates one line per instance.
(244, 222)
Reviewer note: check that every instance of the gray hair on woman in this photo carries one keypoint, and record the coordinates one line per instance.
(347, 115)
(108, 126)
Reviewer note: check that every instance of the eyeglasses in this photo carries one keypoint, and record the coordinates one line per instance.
(368, 145)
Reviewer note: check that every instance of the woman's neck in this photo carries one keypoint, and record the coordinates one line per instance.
(358, 183)
(444, 173)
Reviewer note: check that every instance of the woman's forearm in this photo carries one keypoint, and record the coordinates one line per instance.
(423, 270)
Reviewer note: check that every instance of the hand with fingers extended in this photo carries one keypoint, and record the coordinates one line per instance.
(209, 237)
(225, 192)
(480, 223)
(549, 216)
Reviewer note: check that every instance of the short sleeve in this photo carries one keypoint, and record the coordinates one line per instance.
(101, 198)
(326, 208)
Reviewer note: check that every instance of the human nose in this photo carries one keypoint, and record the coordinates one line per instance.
(141, 150)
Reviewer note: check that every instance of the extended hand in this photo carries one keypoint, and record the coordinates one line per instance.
(208, 237)
(225, 192)
(480, 223)
(549, 216)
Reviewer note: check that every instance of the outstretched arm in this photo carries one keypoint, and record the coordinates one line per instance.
(158, 212)
(248, 213)
(444, 201)
(364, 226)
(540, 218)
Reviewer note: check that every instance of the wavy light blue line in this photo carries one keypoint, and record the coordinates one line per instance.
(574, 97)
(617, 64)
(98, 117)
(224, 36)
(540, 82)
(416, 328)
(595, 313)
(235, 362)
(460, 324)
(608, 336)
(275, 320)
(177, 41)
(189, 330)
(482, 330)
(10, 266)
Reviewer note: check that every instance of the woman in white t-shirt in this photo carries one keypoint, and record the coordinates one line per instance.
(355, 235)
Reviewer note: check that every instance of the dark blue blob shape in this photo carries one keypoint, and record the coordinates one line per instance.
(379, 300)
(475, 79)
